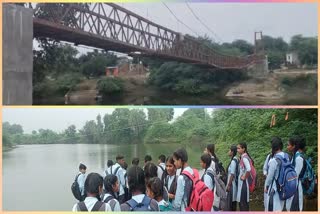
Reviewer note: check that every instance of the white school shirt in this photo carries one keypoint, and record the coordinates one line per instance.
(90, 202)
(120, 175)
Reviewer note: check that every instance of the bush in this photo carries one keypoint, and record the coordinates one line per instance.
(57, 87)
(110, 85)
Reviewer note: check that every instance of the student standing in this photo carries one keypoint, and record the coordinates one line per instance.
(117, 170)
(94, 188)
(232, 187)
(155, 191)
(161, 166)
(111, 186)
(273, 200)
(170, 181)
(296, 146)
(81, 180)
(244, 173)
(184, 186)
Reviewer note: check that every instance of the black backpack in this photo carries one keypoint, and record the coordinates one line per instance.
(75, 189)
(237, 171)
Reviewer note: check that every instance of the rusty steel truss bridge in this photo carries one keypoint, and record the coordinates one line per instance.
(111, 27)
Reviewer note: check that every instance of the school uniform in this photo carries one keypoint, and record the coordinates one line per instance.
(90, 202)
(265, 173)
(121, 180)
(296, 200)
(243, 186)
(182, 195)
(232, 194)
(114, 203)
(161, 170)
(216, 200)
(170, 183)
(81, 179)
(273, 200)
(207, 179)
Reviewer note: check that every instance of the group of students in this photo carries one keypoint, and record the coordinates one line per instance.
(172, 185)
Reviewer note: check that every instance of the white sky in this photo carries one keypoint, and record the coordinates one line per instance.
(231, 21)
(57, 119)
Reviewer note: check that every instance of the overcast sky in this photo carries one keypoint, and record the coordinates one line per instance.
(57, 119)
(231, 21)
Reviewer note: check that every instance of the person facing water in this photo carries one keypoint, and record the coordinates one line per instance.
(81, 179)
(183, 191)
(109, 164)
(161, 166)
(111, 188)
(296, 146)
(137, 187)
(155, 190)
(135, 161)
(244, 173)
(117, 170)
(150, 171)
(232, 181)
(94, 188)
(273, 200)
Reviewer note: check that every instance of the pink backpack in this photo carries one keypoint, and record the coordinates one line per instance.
(201, 197)
(252, 179)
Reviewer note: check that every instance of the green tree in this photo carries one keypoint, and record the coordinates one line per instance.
(157, 115)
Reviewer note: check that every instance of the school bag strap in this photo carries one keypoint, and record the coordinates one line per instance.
(161, 168)
(108, 199)
(115, 172)
(211, 175)
(82, 207)
(97, 206)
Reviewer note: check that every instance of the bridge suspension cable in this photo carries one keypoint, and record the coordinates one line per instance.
(180, 20)
(209, 29)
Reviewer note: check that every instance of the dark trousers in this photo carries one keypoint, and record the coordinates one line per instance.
(244, 204)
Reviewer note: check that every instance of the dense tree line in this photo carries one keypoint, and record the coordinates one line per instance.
(223, 127)
(191, 79)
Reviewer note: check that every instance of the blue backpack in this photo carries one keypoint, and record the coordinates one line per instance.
(307, 176)
(145, 205)
(287, 180)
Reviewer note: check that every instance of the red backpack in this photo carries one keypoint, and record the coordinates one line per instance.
(252, 179)
(201, 197)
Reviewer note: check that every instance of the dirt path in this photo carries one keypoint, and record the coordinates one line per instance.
(269, 90)
(83, 94)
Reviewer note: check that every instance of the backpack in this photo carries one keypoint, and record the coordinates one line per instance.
(166, 207)
(252, 179)
(109, 200)
(75, 189)
(98, 206)
(201, 197)
(211, 176)
(307, 176)
(287, 180)
(145, 205)
(115, 172)
(237, 171)
(220, 170)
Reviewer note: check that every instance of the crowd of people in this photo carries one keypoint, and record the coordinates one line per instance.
(173, 185)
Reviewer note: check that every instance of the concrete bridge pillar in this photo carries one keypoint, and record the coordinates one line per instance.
(17, 55)
(259, 68)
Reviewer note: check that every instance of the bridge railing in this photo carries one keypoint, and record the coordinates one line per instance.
(109, 21)
(114, 23)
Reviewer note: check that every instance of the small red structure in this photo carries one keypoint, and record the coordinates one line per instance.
(112, 71)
